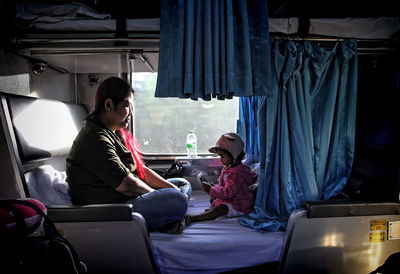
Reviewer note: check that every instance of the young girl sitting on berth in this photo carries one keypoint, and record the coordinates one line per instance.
(232, 196)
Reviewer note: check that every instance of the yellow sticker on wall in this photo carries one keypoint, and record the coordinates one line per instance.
(377, 225)
(377, 237)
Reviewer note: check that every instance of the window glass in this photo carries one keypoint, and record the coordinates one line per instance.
(162, 124)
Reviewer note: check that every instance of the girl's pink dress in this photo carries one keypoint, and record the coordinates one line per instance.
(233, 188)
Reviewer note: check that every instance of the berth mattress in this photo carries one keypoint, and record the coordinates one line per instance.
(214, 246)
(204, 247)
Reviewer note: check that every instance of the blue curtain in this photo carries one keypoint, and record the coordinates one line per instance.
(306, 128)
(213, 49)
(247, 127)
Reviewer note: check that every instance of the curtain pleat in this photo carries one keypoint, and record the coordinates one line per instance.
(306, 129)
(247, 127)
(213, 49)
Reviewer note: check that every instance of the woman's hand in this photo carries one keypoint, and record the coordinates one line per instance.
(156, 181)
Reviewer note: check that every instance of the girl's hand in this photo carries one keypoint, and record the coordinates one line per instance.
(205, 188)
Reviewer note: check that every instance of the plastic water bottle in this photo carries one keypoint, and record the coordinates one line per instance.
(191, 143)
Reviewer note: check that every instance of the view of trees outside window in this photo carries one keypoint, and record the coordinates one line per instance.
(162, 124)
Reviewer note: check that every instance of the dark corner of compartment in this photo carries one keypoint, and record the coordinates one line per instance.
(7, 22)
(375, 175)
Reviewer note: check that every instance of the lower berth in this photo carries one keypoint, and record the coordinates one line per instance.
(205, 247)
(214, 246)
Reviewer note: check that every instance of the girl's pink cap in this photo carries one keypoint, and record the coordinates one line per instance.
(230, 142)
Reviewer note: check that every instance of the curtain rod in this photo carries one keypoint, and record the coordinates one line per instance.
(99, 45)
(374, 45)
(155, 40)
(331, 39)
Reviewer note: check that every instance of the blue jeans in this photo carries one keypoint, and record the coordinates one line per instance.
(183, 185)
(163, 206)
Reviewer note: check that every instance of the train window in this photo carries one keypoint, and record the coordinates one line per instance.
(161, 124)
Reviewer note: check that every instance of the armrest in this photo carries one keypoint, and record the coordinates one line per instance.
(344, 209)
(90, 213)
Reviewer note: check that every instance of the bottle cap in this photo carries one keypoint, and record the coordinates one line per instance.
(191, 131)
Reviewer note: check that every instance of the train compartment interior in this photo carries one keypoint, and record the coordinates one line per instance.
(50, 68)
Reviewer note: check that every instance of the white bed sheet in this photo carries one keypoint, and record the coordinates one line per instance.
(107, 25)
(48, 185)
(214, 246)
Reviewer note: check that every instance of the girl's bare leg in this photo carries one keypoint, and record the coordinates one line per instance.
(208, 215)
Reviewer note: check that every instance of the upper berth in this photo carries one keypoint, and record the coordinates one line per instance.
(75, 38)
(55, 24)
(72, 37)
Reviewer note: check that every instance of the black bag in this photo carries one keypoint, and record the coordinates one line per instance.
(176, 170)
(47, 253)
(390, 266)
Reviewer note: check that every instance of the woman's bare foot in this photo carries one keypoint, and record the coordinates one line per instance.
(173, 228)
(188, 219)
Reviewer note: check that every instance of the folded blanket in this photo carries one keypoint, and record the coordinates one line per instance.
(48, 185)
(29, 14)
